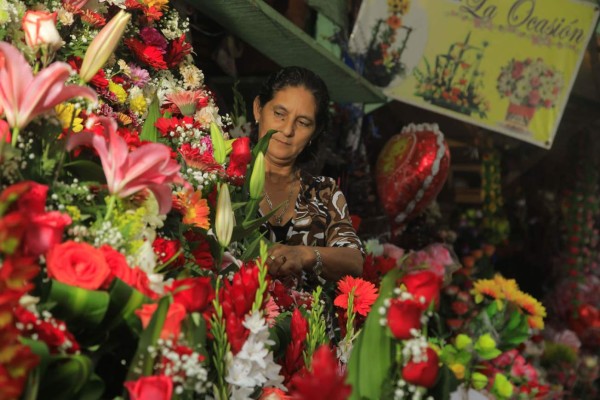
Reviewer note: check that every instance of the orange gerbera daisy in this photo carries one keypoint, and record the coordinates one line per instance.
(365, 294)
(194, 208)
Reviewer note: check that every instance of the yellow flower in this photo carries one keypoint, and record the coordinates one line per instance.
(486, 287)
(68, 116)
(118, 91)
(535, 310)
(159, 4)
(398, 6)
(74, 212)
(459, 370)
(138, 104)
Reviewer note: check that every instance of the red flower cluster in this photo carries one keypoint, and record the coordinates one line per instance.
(237, 297)
(324, 381)
(294, 359)
(84, 266)
(158, 54)
(27, 229)
(375, 267)
(422, 373)
(239, 159)
(49, 330)
(404, 315)
(166, 251)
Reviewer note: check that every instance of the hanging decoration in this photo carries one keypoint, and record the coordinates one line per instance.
(411, 170)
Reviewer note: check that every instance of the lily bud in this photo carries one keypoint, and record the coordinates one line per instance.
(218, 143)
(224, 220)
(257, 178)
(103, 45)
(40, 30)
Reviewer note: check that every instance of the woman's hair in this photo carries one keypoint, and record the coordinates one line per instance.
(300, 77)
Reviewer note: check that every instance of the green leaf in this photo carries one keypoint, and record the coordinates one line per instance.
(373, 343)
(253, 249)
(149, 131)
(142, 363)
(247, 227)
(80, 307)
(123, 301)
(86, 170)
(93, 389)
(65, 377)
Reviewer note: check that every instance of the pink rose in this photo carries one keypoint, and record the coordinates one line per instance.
(40, 30)
(150, 388)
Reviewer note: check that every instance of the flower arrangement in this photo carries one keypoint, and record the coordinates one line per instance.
(131, 262)
(384, 53)
(530, 83)
(454, 82)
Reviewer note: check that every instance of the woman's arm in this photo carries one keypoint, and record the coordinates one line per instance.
(337, 261)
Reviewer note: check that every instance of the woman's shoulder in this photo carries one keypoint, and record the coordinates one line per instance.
(318, 182)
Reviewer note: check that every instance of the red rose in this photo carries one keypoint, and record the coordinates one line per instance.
(119, 268)
(239, 159)
(44, 231)
(195, 294)
(403, 317)
(172, 325)
(424, 284)
(150, 388)
(422, 373)
(166, 249)
(77, 264)
(34, 200)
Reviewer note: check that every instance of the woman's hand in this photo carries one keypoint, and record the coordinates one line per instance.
(289, 260)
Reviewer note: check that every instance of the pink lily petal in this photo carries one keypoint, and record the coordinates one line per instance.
(150, 166)
(23, 95)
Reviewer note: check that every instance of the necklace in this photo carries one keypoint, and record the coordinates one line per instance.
(285, 207)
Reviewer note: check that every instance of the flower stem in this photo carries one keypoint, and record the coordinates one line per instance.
(110, 206)
(15, 135)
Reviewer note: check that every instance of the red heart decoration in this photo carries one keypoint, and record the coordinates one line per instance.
(411, 170)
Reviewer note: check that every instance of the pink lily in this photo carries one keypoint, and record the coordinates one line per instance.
(23, 96)
(150, 166)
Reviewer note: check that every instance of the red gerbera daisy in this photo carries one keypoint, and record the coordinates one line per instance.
(177, 51)
(365, 294)
(150, 55)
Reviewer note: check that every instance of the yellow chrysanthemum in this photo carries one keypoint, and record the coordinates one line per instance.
(138, 104)
(195, 209)
(118, 91)
(68, 116)
(398, 6)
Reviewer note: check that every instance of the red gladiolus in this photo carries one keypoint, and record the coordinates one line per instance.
(236, 332)
(293, 354)
(403, 317)
(424, 284)
(324, 381)
(150, 388)
(422, 373)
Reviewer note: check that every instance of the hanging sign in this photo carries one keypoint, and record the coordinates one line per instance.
(505, 65)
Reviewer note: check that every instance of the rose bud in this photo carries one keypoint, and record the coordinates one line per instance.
(40, 30)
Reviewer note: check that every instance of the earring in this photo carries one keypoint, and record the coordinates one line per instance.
(310, 142)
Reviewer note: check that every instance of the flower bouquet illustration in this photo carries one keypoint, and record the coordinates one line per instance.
(455, 82)
(528, 84)
(389, 37)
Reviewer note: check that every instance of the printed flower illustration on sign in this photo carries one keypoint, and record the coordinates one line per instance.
(384, 44)
(528, 84)
(455, 81)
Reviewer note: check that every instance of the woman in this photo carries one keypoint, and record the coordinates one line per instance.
(311, 221)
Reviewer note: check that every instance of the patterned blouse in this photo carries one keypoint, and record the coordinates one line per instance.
(322, 217)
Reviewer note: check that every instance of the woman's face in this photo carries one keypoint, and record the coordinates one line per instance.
(292, 113)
